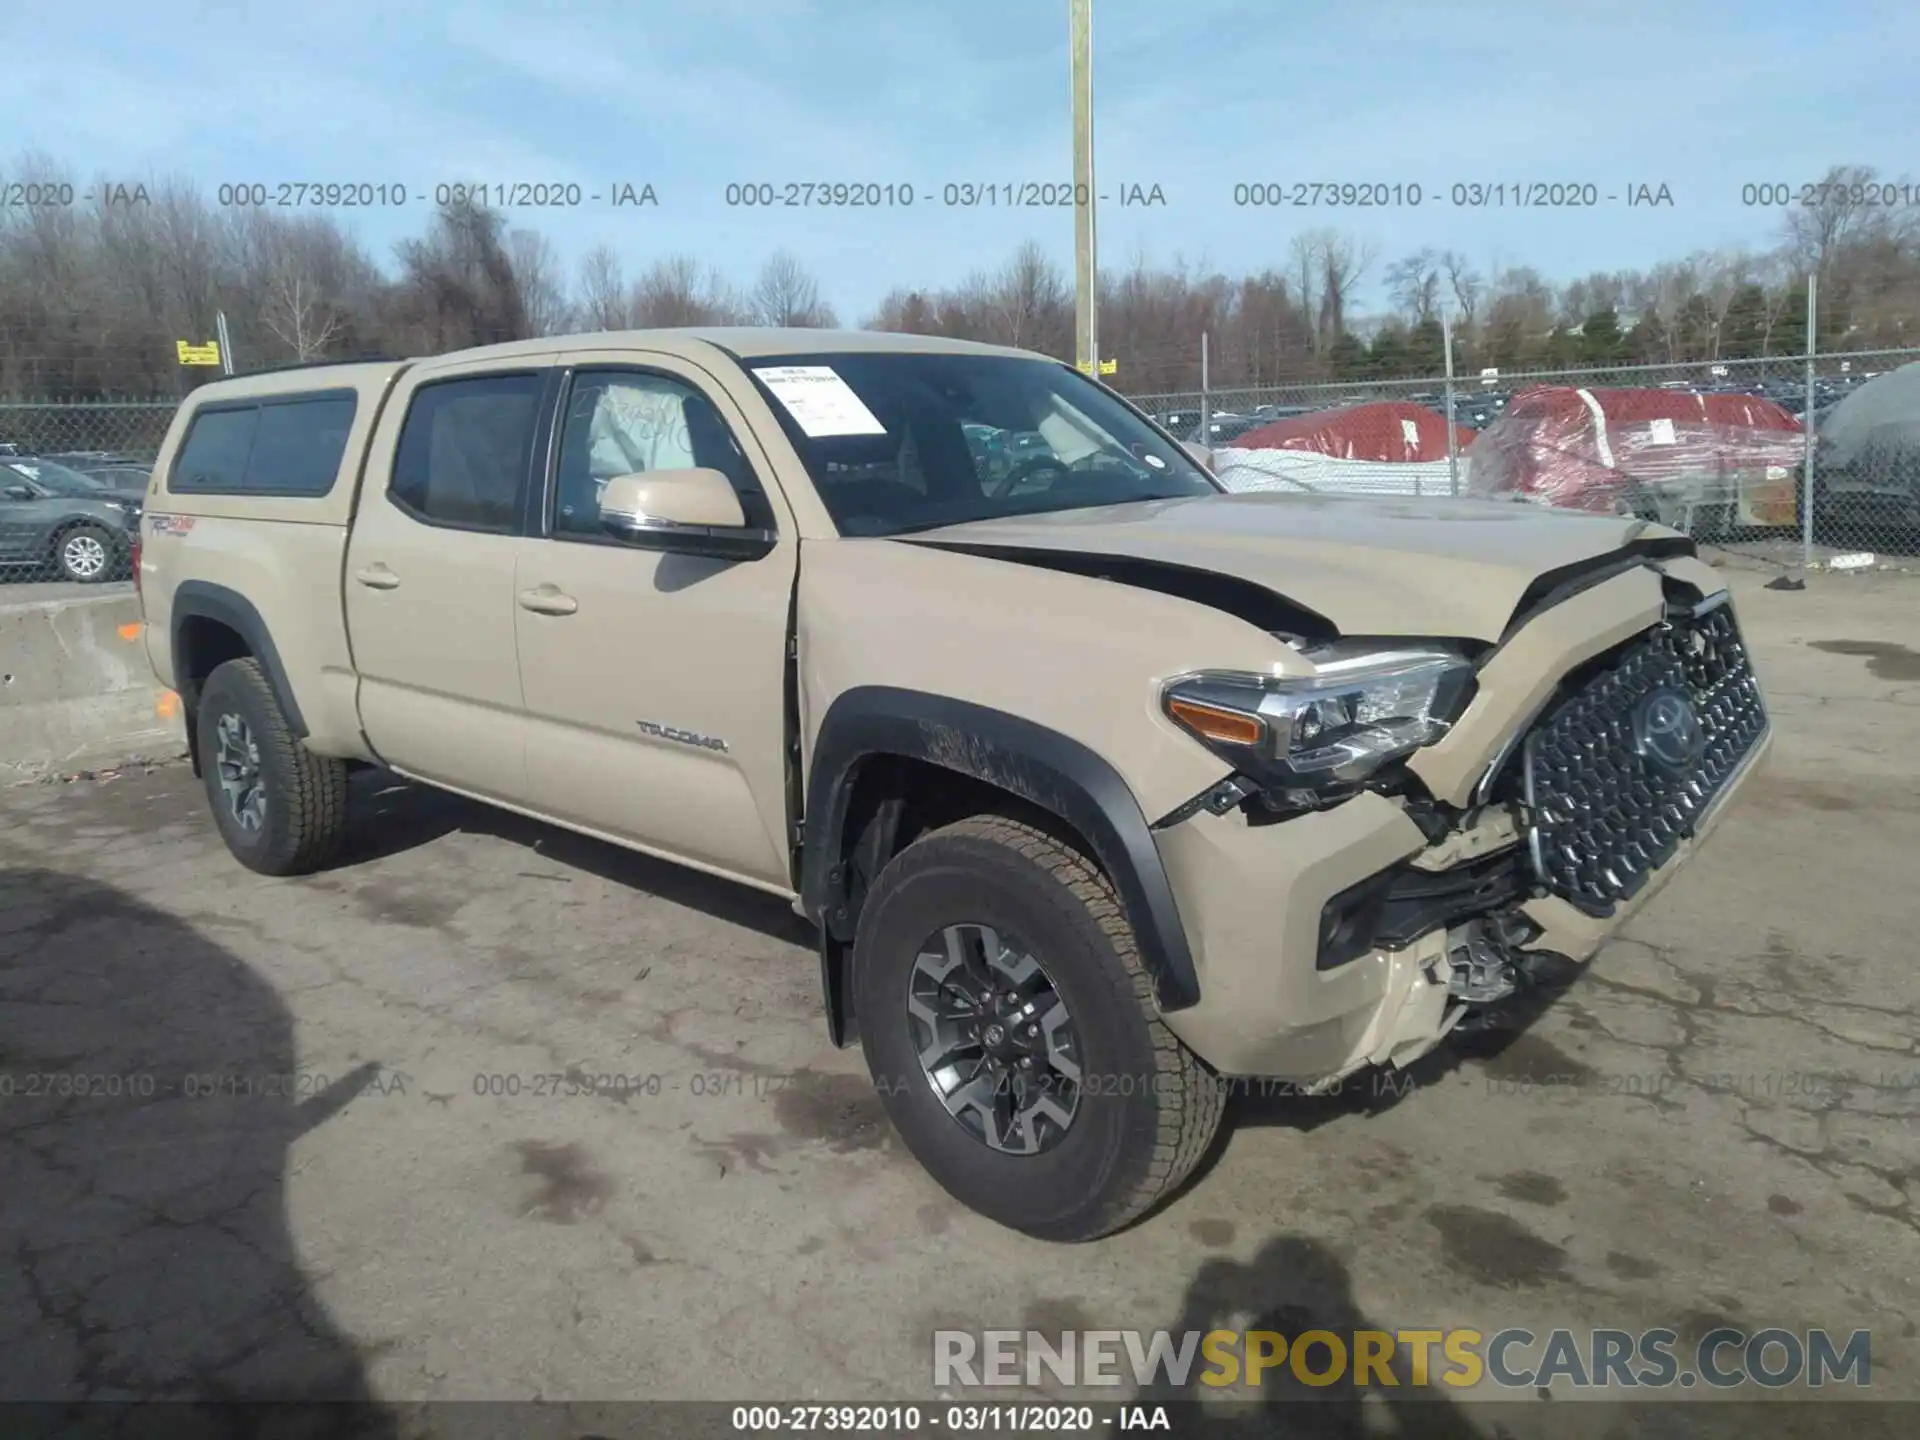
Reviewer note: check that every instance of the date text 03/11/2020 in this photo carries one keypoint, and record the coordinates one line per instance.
(1464, 194)
(390, 195)
(953, 195)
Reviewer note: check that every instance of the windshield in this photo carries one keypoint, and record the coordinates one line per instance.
(55, 479)
(897, 442)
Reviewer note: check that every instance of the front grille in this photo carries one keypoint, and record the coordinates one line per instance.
(1610, 787)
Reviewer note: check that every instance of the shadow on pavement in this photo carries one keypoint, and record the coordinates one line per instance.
(390, 815)
(1293, 1285)
(148, 1099)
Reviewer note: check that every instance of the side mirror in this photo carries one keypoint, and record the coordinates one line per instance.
(686, 512)
(19, 492)
(1201, 455)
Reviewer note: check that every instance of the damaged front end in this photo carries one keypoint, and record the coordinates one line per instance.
(1604, 772)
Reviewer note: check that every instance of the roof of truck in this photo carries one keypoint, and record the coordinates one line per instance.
(297, 380)
(747, 341)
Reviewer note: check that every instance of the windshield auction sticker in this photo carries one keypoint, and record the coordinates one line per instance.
(819, 400)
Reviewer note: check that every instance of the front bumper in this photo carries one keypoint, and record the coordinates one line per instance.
(1252, 896)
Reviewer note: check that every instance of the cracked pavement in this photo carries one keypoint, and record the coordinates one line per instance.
(493, 1111)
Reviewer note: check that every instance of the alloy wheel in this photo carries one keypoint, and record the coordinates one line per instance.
(994, 1039)
(83, 556)
(237, 763)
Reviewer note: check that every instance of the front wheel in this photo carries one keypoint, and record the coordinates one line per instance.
(1011, 1031)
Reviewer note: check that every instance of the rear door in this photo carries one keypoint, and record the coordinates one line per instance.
(430, 572)
(655, 682)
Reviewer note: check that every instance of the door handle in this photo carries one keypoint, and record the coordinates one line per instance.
(377, 576)
(547, 600)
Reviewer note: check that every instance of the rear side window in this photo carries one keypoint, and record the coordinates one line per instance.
(466, 451)
(215, 454)
(298, 445)
(289, 446)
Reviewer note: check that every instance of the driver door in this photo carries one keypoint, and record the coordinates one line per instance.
(654, 683)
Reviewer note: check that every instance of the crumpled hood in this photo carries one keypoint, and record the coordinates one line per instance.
(1371, 566)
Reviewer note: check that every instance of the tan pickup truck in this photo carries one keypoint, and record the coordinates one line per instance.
(1103, 787)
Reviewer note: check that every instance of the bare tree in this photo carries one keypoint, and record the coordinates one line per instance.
(1344, 261)
(787, 295)
(604, 303)
(1414, 285)
(538, 278)
(1304, 262)
(458, 286)
(1839, 213)
(1723, 275)
(1027, 299)
(1465, 285)
(677, 290)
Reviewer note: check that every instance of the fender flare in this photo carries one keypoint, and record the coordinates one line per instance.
(1041, 766)
(205, 600)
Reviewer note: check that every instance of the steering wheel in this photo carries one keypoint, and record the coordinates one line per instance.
(1025, 473)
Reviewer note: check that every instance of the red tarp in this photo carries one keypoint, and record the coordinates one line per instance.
(1667, 452)
(1392, 430)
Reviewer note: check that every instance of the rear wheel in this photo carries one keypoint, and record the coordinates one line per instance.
(1012, 1034)
(281, 809)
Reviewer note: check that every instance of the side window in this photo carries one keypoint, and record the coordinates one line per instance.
(465, 451)
(298, 444)
(214, 456)
(627, 422)
(275, 447)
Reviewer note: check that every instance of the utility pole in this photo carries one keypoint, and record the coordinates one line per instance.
(1206, 390)
(1085, 255)
(1807, 423)
(1446, 351)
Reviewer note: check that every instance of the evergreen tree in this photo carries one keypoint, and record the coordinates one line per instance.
(1348, 357)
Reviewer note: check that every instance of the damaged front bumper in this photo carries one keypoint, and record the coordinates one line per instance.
(1353, 937)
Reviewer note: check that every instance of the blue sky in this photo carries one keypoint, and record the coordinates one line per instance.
(1191, 95)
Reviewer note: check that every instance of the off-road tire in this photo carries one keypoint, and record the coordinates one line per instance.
(306, 815)
(1150, 1109)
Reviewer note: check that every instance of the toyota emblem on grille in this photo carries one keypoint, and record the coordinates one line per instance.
(1666, 731)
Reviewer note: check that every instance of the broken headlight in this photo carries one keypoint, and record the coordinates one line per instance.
(1366, 705)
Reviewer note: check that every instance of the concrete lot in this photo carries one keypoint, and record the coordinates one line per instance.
(1715, 1124)
(15, 590)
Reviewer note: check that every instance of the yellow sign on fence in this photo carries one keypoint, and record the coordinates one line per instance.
(1107, 367)
(191, 354)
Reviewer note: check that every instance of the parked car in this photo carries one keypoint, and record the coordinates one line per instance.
(1224, 428)
(1097, 789)
(1391, 447)
(123, 472)
(1709, 464)
(63, 525)
(1866, 463)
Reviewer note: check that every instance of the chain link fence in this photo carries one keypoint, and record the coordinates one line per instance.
(72, 480)
(1722, 450)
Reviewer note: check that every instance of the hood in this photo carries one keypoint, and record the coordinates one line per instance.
(1363, 565)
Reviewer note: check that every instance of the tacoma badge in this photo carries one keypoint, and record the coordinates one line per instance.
(685, 737)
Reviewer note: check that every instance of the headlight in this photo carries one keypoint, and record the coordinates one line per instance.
(1366, 704)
